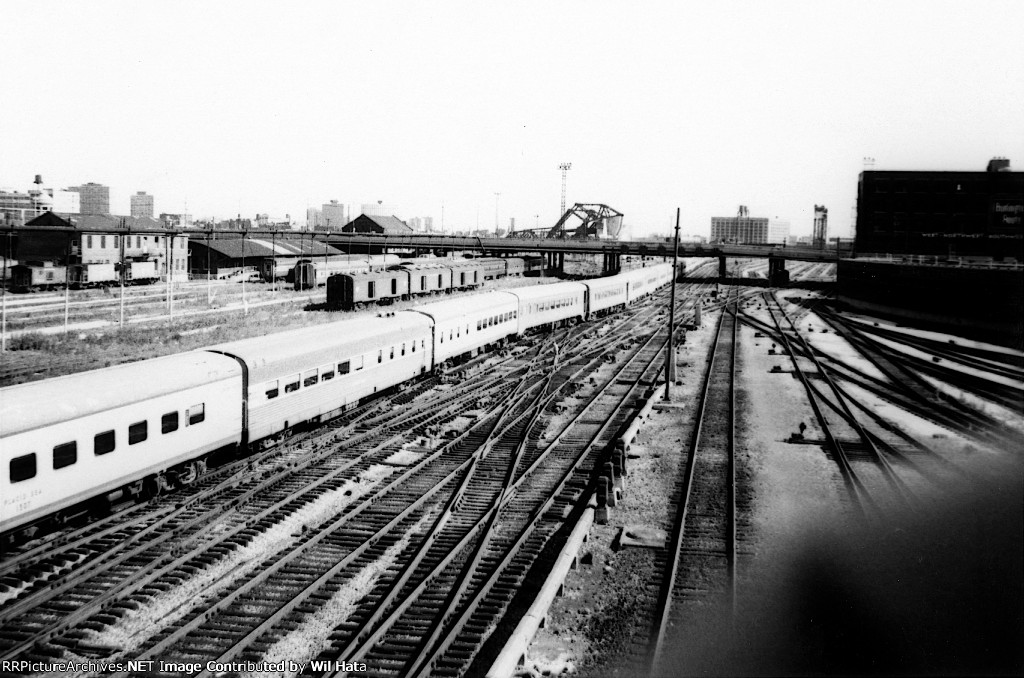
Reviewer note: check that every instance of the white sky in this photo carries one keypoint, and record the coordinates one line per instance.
(272, 106)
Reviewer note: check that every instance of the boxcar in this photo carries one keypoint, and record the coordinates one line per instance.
(549, 304)
(468, 324)
(467, 274)
(90, 275)
(315, 372)
(141, 272)
(69, 439)
(349, 290)
(427, 278)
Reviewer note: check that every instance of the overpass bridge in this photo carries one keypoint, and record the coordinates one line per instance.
(554, 250)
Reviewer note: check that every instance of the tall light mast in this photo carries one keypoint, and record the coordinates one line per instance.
(565, 167)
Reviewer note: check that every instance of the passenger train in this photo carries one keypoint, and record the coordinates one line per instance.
(78, 443)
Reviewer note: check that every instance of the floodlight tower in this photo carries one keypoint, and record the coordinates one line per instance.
(565, 167)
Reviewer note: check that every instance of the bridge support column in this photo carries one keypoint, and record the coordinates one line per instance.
(778, 276)
(561, 262)
(721, 268)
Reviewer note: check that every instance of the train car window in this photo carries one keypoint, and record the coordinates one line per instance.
(392, 356)
(474, 276)
(380, 355)
(423, 282)
(65, 455)
(272, 390)
(478, 325)
(451, 334)
(327, 373)
(403, 348)
(343, 368)
(309, 378)
(442, 338)
(423, 344)
(357, 362)
(394, 286)
(138, 432)
(104, 443)
(292, 384)
(370, 289)
(439, 281)
(169, 422)
(197, 413)
(23, 467)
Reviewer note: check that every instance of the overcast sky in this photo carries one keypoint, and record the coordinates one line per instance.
(246, 107)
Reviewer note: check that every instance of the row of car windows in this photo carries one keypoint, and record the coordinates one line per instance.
(328, 372)
(556, 303)
(610, 292)
(66, 454)
(496, 319)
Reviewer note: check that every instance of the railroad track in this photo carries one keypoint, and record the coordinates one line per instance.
(280, 501)
(699, 557)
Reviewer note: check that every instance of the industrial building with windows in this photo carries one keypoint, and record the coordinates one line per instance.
(66, 239)
(951, 214)
(747, 230)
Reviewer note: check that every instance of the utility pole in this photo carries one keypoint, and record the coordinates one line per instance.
(670, 355)
(565, 167)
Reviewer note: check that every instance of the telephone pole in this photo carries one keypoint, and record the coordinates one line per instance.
(670, 355)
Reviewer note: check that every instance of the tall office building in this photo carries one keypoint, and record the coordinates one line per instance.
(142, 205)
(95, 198)
(314, 218)
(334, 215)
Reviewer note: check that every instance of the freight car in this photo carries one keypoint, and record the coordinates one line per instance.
(312, 272)
(92, 275)
(142, 428)
(34, 277)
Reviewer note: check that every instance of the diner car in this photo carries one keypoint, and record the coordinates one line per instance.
(113, 432)
(544, 305)
(467, 325)
(315, 373)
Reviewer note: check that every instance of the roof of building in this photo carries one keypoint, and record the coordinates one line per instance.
(236, 248)
(391, 224)
(95, 222)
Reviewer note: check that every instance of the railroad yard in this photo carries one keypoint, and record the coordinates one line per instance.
(547, 508)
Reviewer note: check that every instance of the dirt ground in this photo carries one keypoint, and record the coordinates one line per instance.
(819, 589)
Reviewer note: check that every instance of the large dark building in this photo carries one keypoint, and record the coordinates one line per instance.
(958, 214)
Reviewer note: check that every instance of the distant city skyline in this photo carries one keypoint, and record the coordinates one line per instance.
(705, 107)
